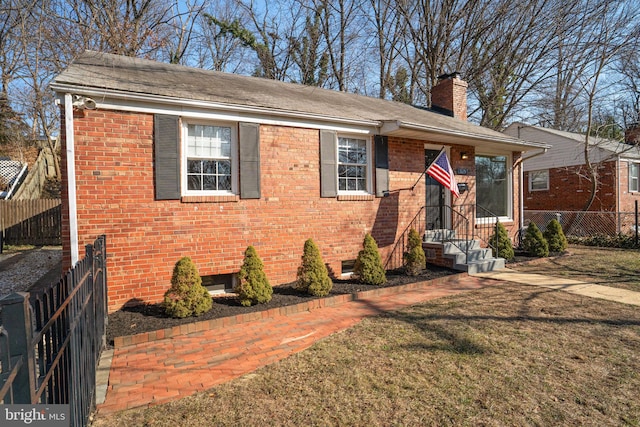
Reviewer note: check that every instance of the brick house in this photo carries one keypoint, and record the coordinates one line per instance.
(557, 180)
(171, 161)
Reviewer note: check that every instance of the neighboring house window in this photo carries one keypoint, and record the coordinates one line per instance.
(210, 161)
(538, 180)
(493, 186)
(353, 165)
(634, 176)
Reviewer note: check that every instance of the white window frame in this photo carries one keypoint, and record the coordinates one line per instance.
(234, 159)
(634, 179)
(544, 172)
(369, 165)
(509, 172)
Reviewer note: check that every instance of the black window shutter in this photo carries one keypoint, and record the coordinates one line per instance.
(249, 136)
(382, 165)
(328, 171)
(166, 150)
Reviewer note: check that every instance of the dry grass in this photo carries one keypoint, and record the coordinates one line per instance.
(619, 268)
(506, 355)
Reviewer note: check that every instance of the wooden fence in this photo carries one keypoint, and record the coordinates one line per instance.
(30, 222)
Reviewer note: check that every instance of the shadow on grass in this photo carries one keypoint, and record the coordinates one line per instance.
(448, 339)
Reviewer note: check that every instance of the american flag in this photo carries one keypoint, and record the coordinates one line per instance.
(441, 171)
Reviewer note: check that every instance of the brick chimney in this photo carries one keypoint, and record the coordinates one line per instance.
(449, 96)
(632, 134)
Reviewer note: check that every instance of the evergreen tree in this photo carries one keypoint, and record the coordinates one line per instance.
(313, 276)
(534, 243)
(368, 268)
(415, 259)
(555, 236)
(253, 286)
(187, 296)
(501, 245)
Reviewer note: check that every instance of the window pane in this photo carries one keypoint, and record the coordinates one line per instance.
(492, 185)
(193, 182)
(352, 161)
(209, 141)
(224, 183)
(634, 172)
(539, 180)
(209, 182)
(194, 166)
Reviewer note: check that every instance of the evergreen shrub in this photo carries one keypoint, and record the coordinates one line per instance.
(504, 246)
(555, 236)
(368, 267)
(253, 286)
(414, 259)
(534, 243)
(313, 277)
(186, 296)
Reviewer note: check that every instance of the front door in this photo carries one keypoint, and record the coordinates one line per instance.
(435, 196)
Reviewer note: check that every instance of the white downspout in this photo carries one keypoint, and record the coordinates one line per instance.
(71, 178)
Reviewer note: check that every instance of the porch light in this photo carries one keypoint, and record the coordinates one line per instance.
(462, 187)
(464, 156)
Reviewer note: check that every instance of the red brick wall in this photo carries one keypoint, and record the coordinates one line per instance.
(569, 189)
(451, 94)
(627, 198)
(145, 237)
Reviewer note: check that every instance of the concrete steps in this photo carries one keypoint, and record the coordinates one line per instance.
(452, 250)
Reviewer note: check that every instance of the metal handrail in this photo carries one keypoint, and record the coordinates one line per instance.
(488, 218)
(460, 228)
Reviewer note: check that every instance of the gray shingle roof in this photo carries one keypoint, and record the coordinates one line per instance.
(108, 73)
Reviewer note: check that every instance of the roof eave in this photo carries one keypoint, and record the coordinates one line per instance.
(436, 134)
(100, 95)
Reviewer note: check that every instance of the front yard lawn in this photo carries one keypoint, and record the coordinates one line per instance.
(503, 355)
(619, 268)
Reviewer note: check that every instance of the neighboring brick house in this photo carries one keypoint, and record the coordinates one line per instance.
(558, 180)
(170, 161)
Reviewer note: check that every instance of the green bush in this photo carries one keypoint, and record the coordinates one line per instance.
(313, 277)
(253, 286)
(503, 245)
(620, 240)
(368, 267)
(414, 259)
(186, 296)
(534, 243)
(555, 237)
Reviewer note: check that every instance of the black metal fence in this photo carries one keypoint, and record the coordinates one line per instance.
(51, 340)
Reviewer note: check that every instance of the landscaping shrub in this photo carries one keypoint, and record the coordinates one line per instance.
(253, 286)
(368, 267)
(186, 296)
(620, 240)
(555, 237)
(504, 246)
(313, 276)
(534, 243)
(414, 259)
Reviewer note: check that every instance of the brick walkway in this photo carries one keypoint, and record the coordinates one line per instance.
(166, 369)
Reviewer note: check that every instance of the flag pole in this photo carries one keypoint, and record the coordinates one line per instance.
(426, 168)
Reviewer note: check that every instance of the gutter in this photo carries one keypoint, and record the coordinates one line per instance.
(71, 178)
(101, 94)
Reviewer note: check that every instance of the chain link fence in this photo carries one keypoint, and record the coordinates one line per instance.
(586, 224)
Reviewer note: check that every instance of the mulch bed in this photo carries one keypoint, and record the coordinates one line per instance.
(151, 317)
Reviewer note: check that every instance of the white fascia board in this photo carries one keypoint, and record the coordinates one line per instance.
(390, 127)
(153, 104)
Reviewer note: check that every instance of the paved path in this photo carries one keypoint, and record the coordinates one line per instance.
(167, 369)
(568, 285)
(163, 370)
